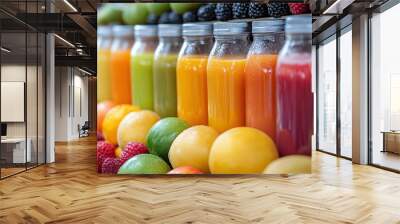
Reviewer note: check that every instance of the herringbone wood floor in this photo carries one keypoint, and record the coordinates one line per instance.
(70, 191)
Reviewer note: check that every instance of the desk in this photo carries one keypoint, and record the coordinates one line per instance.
(391, 141)
(13, 150)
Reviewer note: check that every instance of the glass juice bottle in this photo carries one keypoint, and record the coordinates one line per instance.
(120, 64)
(294, 93)
(225, 76)
(142, 55)
(103, 63)
(192, 73)
(260, 79)
(164, 69)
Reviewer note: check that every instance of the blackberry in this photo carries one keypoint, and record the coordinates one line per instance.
(240, 10)
(223, 11)
(206, 12)
(164, 18)
(152, 19)
(174, 18)
(257, 10)
(189, 17)
(277, 9)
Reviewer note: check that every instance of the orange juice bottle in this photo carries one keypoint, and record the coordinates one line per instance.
(103, 63)
(260, 75)
(192, 73)
(120, 64)
(225, 76)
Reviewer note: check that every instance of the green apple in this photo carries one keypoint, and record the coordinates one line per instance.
(157, 8)
(181, 8)
(135, 14)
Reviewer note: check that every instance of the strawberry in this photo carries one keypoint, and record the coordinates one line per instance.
(110, 165)
(299, 8)
(104, 150)
(132, 149)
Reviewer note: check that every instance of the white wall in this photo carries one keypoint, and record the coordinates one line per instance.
(71, 94)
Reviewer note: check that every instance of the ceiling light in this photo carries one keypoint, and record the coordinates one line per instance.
(338, 6)
(64, 40)
(5, 50)
(70, 5)
(84, 71)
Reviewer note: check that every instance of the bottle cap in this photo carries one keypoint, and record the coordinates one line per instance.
(123, 30)
(230, 28)
(104, 31)
(146, 30)
(268, 26)
(169, 30)
(298, 24)
(197, 29)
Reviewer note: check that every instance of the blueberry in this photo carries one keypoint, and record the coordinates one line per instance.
(189, 17)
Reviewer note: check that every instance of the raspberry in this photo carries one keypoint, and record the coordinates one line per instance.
(104, 150)
(110, 165)
(132, 149)
(223, 11)
(278, 9)
(299, 8)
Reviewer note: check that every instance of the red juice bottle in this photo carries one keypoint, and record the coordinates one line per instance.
(294, 94)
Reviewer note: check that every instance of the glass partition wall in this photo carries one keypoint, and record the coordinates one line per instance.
(22, 77)
(334, 94)
(385, 90)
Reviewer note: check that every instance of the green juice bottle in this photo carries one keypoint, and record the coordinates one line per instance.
(142, 56)
(142, 80)
(164, 70)
(165, 85)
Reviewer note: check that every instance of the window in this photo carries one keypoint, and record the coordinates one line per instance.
(385, 89)
(346, 93)
(327, 96)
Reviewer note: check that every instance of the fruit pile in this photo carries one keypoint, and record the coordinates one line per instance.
(177, 13)
(134, 141)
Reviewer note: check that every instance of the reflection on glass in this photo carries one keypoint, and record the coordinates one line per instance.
(385, 89)
(14, 153)
(327, 97)
(346, 94)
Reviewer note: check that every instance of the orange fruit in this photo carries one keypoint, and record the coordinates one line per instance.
(102, 109)
(112, 120)
(192, 148)
(135, 126)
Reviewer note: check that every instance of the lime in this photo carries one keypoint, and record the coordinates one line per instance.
(162, 134)
(157, 8)
(109, 14)
(135, 14)
(144, 164)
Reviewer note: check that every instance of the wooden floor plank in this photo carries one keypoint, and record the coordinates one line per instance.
(70, 191)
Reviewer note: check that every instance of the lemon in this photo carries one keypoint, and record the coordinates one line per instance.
(242, 150)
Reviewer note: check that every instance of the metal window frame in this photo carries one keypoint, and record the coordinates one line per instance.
(381, 9)
(337, 35)
(44, 74)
